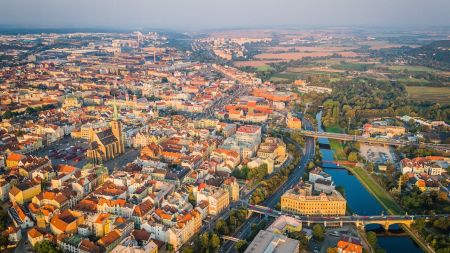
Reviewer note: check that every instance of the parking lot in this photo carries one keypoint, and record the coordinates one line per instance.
(377, 153)
(66, 151)
(73, 152)
(332, 236)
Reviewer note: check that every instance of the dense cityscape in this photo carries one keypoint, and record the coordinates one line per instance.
(330, 140)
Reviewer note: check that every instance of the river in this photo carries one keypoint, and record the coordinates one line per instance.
(361, 202)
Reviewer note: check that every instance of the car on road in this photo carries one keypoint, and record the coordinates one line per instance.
(335, 233)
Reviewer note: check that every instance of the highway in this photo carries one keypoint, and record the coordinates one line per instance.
(273, 199)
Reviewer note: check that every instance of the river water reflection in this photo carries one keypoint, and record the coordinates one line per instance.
(361, 202)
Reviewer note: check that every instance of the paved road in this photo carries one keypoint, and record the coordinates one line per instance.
(270, 202)
(359, 138)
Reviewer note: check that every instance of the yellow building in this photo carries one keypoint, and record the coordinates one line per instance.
(302, 202)
(103, 224)
(66, 222)
(107, 144)
(24, 192)
(34, 236)
(218, 198)
(186, 227)
(13, 159)
(232, 186)
(71, 102)
(273, 148)
(293, 122)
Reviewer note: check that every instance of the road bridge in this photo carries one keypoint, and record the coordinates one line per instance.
(384, 221)
(371, 140)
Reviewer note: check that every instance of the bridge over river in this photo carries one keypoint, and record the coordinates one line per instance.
(371, 140)
(384, 221)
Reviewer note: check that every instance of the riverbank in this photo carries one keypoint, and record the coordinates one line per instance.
(382, 196)
(387, 201)
(359, 195)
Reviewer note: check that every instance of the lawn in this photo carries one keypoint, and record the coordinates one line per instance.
(433, 94)
(413, 68)
(338, 150)
(263, 68)
(334, 129)
(376, 190)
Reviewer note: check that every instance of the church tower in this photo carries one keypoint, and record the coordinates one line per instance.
(116, 128)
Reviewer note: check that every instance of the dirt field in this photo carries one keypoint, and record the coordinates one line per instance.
(249, 63)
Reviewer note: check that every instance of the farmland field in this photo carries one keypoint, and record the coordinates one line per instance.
(433, 94)
(413, 68)
(413, 82)
(299, 55)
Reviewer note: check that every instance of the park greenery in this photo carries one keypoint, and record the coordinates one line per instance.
(227, 227)
(415, 201)
(247, 173)
(353, 102)
(30, 111)
(373, 241)
(46, 246)
(269, 185)
(318, 232)
(435, 232)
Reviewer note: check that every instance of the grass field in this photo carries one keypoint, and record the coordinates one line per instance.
(413, 68)
(286, 56)
(413, 82)
(352, 66)
(376, 190)
(338, 149)
(433, 94)
(263, 68)
(278, 79)
(334, 129)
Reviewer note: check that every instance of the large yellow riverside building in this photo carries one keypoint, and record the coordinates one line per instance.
(302, 202)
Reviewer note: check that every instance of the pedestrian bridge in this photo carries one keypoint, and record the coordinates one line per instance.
(230, 238)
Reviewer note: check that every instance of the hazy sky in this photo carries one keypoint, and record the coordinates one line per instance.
(199, 14)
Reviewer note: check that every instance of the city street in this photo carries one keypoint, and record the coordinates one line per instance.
(270, 202)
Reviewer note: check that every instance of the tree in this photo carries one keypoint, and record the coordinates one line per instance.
(8, 114)
(30, 110)
(372, 239)
(318, 232)
(353, 157)
(45, 246)
(3, 241)
(192, 199)
(214, 242)
(3, 219)
(241, 246)
(188, 250)
(221, 227)
(332, 250)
